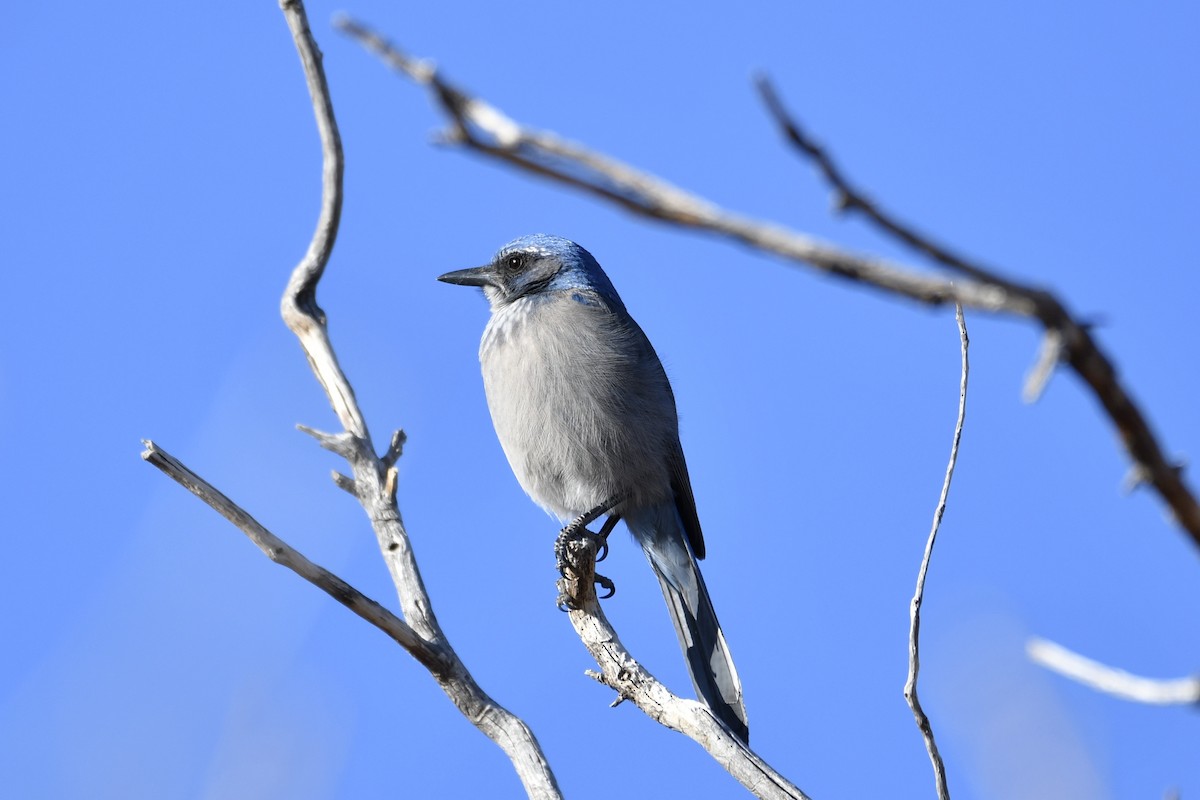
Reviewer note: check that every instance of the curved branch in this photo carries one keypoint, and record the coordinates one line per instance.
(485, 129)
(1113, 681)
(631, 681)
(914, 609)
(299, 306)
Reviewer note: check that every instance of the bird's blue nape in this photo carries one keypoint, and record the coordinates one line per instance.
(580, 269)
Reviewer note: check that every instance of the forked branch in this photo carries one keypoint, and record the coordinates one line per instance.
(374, 478)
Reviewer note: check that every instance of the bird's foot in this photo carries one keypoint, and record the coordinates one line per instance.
(578, 531)
(563, 558)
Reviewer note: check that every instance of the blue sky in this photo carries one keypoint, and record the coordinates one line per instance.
(163, 178)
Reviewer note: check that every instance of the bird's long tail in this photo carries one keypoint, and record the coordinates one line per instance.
(660, 533)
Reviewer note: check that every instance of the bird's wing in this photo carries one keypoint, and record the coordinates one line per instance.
(636, 343)
(685, 501)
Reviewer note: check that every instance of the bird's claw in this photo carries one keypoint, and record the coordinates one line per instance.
(567, 603)
(578, 532)
(607, 585)
(605, 530)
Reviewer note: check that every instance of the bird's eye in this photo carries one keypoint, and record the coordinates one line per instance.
(514, 263)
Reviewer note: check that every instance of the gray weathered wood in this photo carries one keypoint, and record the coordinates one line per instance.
(633, 682)
(374, 478)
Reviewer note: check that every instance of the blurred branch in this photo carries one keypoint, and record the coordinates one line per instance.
(374, 481)
(481, 127)
(914, 608)
(631, 681)
(1113, 681)
(1050, 355)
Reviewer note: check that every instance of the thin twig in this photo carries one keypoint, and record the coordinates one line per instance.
(284, 554)
(1113, 681)
(850, 199)
(485, 129)
(914, 608)
(299, 305)
(622, 673)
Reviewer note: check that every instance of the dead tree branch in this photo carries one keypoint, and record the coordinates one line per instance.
(481, 127)
(850, 199)
(631, 681)
(1066, 338)
(914, 609)
(1113, 681)
(374, 481)
(284, 554)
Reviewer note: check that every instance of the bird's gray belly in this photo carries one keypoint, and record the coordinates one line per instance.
(576, 424)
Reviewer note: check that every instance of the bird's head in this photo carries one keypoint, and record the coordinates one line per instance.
(535, 264)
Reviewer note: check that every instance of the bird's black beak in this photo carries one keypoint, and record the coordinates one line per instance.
(476, 276)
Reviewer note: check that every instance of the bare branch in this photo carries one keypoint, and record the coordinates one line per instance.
(914, 609)
(374, 481)
(1113, 681)
(299, 306)
(282, 553)
(850, 199)
(485, 129)
(1067, 338)
(623, 674)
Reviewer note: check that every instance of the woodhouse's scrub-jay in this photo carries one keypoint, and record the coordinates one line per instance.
(585, 414)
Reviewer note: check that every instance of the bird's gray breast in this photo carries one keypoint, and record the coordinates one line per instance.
(580, 402)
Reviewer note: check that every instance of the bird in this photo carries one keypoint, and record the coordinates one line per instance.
(586, 416)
